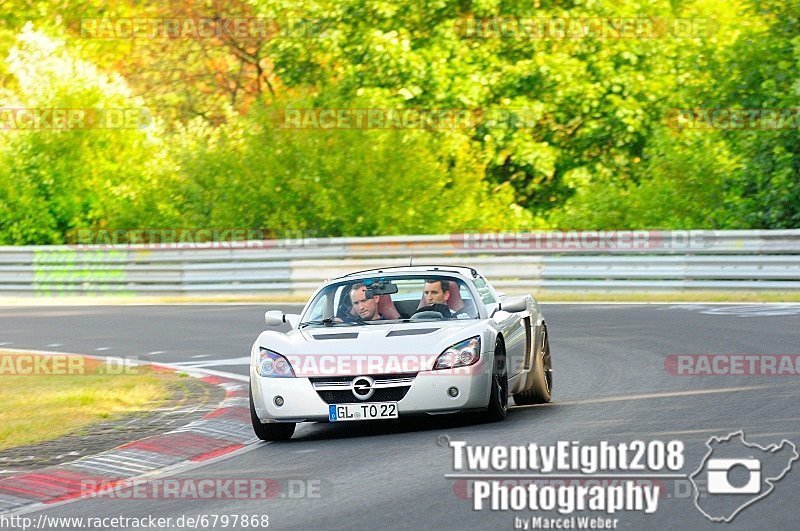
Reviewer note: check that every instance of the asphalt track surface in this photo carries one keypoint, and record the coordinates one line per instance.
(610, 384)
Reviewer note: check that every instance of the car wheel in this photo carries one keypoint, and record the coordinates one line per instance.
(540, 390)
(275, 431)
(498, 397)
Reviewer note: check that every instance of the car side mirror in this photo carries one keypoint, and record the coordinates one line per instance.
(277, 318)
(514, 304)
(274, 318)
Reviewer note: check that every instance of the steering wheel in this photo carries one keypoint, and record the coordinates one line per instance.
(343, 312)
(426, 314)
(438, 310)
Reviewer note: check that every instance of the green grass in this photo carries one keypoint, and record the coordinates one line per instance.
(40, 407)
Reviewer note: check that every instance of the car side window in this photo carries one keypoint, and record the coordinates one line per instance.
(484, 291)
(345, 305)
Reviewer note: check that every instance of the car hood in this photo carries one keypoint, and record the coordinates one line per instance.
(369, 349)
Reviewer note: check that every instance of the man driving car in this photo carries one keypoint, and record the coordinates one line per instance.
(436, 293)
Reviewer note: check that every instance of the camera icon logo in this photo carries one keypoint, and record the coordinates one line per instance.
(735, 474)
(719, 471)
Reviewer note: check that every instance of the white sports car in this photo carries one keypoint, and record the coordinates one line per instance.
(387, 343)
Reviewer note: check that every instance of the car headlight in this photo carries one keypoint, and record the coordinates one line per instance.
(461, 354)
(273, 365)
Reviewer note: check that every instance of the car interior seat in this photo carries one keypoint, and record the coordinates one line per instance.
(386, 307)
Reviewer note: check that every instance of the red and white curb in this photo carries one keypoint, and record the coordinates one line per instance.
(220, 433)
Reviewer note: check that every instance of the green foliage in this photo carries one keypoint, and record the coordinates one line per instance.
(587, 141)
(251, 172)
(680, 182)
(55, 181)
(761, 70)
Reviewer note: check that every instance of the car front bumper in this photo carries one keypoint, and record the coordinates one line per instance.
(428, 393)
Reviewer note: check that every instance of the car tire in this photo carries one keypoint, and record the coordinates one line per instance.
(540, 389)
(274, 431)
(498, 396)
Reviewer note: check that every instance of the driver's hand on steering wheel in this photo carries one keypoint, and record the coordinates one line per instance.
(440, 308)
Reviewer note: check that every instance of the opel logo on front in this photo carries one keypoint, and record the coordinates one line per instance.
(363, 387)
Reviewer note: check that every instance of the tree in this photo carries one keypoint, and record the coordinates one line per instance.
(57, 178)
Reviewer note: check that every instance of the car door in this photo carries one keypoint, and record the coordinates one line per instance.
(514, 327)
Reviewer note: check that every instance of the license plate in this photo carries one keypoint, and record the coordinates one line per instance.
(368, 411)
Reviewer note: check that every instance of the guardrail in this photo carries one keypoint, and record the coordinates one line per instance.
(515, 262)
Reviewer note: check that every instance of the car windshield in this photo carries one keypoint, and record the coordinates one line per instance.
(384, 299)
